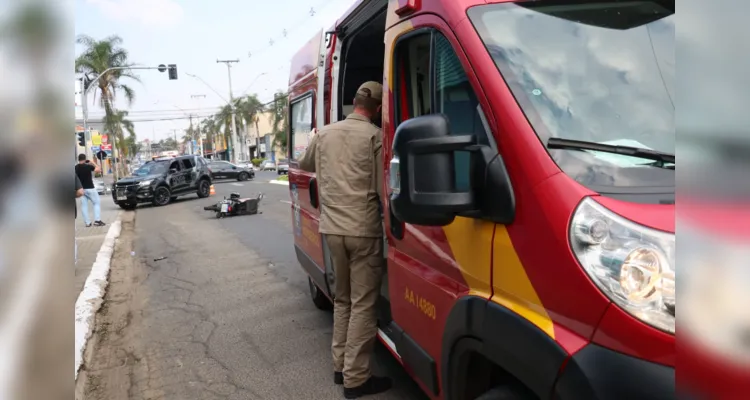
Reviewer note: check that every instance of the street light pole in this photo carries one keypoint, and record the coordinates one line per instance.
(231, 105)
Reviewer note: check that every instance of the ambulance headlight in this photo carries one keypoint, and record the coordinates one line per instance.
(632, 264)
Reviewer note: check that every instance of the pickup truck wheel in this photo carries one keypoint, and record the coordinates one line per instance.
(243, 176)
(319, 299)
(506, 393)
(162, 195)
(204, 188)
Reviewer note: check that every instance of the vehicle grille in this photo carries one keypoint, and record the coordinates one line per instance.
(125, 188)
(121, 184)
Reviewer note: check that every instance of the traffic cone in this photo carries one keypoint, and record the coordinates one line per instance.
(213, 191)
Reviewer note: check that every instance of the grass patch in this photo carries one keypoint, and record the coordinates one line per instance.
(284, 178)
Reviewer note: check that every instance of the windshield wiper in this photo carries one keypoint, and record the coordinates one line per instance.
(648, 154)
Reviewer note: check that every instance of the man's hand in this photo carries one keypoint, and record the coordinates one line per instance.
(79, 193)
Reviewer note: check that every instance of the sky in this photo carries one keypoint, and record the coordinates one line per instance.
(193, 34)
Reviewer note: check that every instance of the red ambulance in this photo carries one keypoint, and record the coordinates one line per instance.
(529, 192)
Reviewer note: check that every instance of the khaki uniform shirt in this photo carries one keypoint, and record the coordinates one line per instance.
(347, 159)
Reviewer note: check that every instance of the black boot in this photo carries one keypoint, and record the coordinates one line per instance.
(338, 378)
(374, 385)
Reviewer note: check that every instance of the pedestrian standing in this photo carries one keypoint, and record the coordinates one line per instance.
(85, 171)
(347, 158)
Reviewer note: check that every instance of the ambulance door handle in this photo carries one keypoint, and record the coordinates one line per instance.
(313, 193)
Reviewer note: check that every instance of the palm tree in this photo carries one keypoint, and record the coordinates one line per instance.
(131, 143)
(98, 56)
(247, 109)
(114, 123)
(224, 121)
(211, 129)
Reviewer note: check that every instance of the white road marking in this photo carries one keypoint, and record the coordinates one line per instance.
(285, 201)
(236, 184)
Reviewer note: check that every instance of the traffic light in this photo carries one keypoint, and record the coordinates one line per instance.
(81, 139)
(172, 72)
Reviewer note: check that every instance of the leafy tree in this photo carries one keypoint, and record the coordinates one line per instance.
(279, 110)
(169, 144)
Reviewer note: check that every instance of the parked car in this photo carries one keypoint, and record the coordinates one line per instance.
(160, 182)
(101, 188)
(245, 164)
(283, 167)
(268, 166)
(227, 170)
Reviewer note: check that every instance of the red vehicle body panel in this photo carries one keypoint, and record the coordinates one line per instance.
(303, 80)
(528, 266)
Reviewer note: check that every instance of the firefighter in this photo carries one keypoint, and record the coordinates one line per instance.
(347, 158)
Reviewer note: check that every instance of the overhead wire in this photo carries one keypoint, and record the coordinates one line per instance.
(170, 115)
(285, 35)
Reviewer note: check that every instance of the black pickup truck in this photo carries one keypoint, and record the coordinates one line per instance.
(163, 180)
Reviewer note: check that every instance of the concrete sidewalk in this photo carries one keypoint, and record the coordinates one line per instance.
(90, 239)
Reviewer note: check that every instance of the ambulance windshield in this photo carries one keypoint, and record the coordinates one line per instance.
(597, 72)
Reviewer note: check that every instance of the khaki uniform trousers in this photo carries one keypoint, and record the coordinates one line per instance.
(357, 266)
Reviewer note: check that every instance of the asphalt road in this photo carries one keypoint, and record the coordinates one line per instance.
(202, 308)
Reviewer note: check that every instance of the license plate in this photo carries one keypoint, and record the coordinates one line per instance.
(224, 207)
(121, 195)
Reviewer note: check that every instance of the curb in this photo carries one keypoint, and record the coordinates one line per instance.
(91, 296)
(275, 182)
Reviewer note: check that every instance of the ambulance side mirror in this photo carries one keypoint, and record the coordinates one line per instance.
(436, 176)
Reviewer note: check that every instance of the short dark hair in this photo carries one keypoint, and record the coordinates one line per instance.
(81, 157)
(368, 103)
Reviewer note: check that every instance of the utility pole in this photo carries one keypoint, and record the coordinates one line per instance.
(233, 152)
(176, 143)
(190, 116)
(200, 129)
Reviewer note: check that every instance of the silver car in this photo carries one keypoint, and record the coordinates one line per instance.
(101, 188)
(268, 166)
(283, 167)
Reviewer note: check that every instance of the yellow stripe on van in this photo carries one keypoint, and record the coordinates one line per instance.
(470, 241)
(513, 289)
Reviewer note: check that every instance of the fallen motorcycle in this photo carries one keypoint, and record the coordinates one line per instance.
(234, 205)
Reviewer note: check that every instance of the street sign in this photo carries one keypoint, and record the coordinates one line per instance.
(106, 147)
(105, 139)
(94, 149)
(96, 140)
(101, 155)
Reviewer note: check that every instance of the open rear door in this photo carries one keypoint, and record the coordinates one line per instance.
(305, 111)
